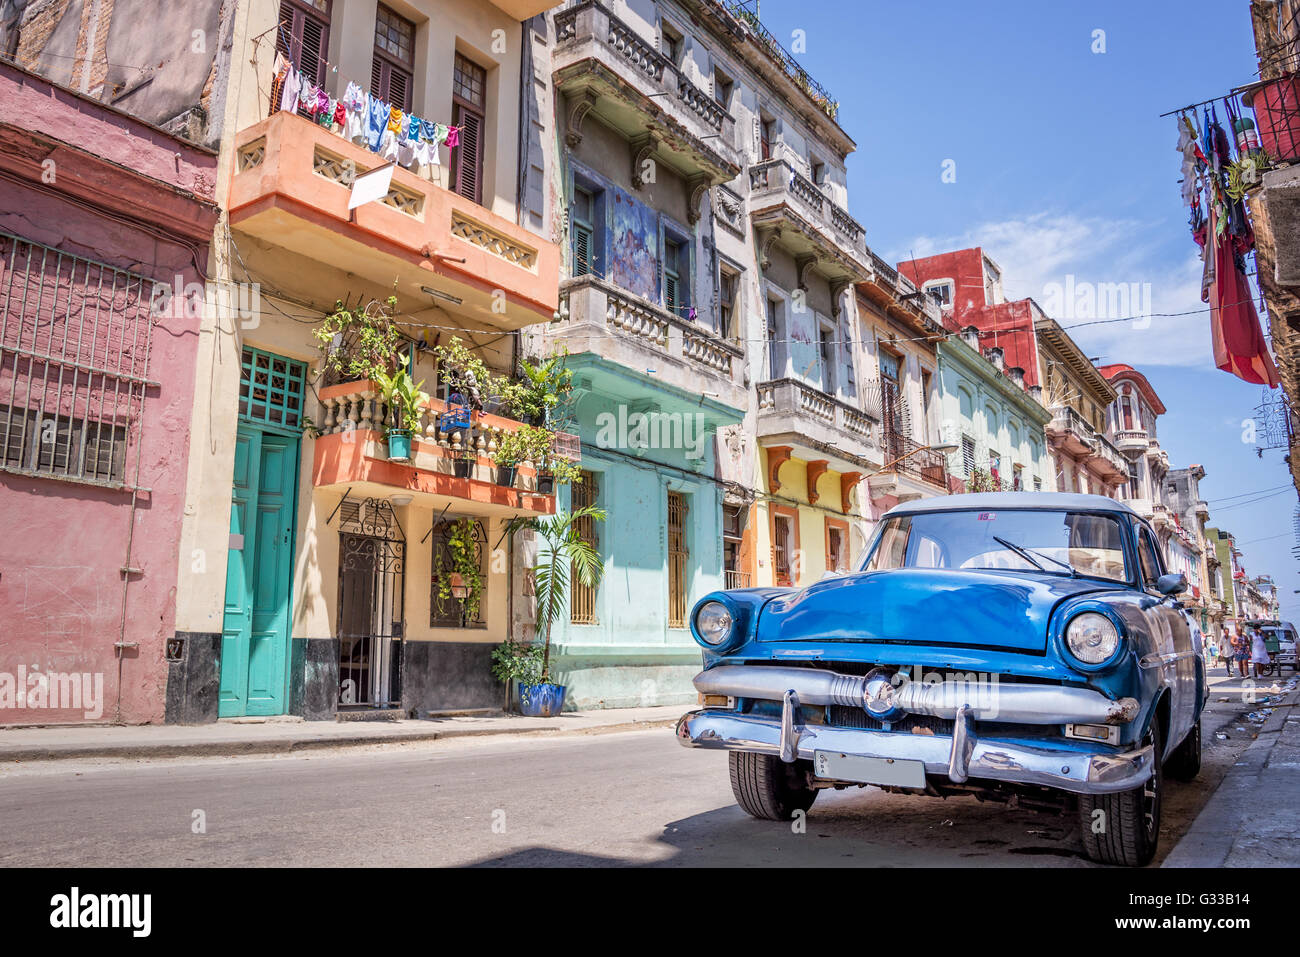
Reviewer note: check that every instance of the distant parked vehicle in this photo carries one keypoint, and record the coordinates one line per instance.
(1022, 645)
(1280, 640)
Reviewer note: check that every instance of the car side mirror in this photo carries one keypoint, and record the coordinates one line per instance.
(1175, 583)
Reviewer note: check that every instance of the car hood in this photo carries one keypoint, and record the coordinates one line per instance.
(922, 606)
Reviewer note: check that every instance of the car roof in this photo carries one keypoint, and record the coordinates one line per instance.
(1056, 501)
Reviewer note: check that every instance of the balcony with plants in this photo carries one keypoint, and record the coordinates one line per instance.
(486, 438)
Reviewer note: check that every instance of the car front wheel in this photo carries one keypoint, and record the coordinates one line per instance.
(767, 788)
(1124, 828)
(1185, 763)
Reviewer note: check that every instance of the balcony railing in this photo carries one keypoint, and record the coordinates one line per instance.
(593, 306)
(777, 177)
(737, 579)
(789, 65)
(791, 406)
(654, 74)
(912, 458)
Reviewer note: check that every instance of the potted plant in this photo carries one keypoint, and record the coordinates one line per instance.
(463, 582)
(560, 549)
(528, 443)
(404, 398)
(462, 462)
(537, 395)
(516, 662)
(359, 343)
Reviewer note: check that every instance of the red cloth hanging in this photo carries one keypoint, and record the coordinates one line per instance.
(1239, 346)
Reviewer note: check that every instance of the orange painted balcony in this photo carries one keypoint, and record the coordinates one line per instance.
(291, 187)
(351, 452)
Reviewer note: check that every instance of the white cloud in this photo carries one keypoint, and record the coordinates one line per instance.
(1115, 268)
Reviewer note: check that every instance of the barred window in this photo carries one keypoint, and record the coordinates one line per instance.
(678, 556)
(75, 339)
(582, 600)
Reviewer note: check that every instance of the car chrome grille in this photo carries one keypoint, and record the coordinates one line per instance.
(841, 716)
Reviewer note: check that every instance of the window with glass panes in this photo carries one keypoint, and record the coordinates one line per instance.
(728, 287)
(392, 69)
(469, 113)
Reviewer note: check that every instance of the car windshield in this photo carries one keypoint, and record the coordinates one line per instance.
(1059, 542)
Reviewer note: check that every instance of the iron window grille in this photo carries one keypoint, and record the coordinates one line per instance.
(372, 593)
(582, 600)
(75, 342)
(271, 390)
(453, 612)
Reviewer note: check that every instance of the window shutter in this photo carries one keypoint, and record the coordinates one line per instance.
(469, 164)
(581, 250)
(378, 86)
(399, 89)
(670, 292)
(315, 41)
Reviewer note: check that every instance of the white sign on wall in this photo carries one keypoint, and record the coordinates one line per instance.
(371, 186)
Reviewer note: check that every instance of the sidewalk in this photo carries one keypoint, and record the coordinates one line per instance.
(1250, 820)
(283, 735)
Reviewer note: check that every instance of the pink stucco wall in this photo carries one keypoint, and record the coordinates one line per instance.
(63, 544)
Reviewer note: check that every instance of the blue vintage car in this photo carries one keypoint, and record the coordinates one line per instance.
(1023, 646)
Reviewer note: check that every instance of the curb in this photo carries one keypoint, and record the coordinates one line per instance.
(1210, 838)
(286, 745)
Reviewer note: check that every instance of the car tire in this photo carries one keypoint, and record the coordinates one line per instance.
(767, 788)
(1185, 763)
(1127, 831)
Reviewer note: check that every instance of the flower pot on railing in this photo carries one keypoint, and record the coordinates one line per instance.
(545, 483)
(1277, 115)
(461, 467)
(399, 445)
(506, 475)
(456, 582)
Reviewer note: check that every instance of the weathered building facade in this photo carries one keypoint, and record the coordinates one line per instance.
(107, 206)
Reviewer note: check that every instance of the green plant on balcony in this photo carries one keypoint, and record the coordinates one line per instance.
(359, 343)
(538, 395)
(528, 443)
(982, 481)
(463, 581)
(461, 370)
(404, 399)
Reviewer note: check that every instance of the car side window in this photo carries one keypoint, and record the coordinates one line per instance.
(1148, 557)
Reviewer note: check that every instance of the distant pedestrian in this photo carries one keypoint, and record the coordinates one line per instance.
(1225, 652)
(1258, 650)
(1240, 650)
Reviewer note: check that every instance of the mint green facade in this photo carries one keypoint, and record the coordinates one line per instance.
(993, 421)
(631, 656)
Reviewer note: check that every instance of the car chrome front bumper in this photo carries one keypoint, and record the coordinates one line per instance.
(958, 756)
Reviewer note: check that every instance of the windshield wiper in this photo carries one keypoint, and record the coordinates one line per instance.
(1025, 554)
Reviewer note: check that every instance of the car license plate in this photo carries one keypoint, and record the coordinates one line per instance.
(897, 772)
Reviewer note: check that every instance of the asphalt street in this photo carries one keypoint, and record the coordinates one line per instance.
(629, 798)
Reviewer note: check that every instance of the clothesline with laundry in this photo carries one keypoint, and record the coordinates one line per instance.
(385, 129)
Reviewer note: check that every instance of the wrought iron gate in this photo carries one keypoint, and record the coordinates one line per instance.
(372, 592)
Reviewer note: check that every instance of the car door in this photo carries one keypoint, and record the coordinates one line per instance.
(1172, 653)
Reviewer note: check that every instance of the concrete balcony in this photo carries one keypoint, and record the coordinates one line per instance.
(599, 317)
(1157, 457)
(1132, 441)
(351, 452)
(1108, 461)
(788, 209)
(1202, 510)
(604, 67)
(816, 426)
(291, 188)
(1068, 432)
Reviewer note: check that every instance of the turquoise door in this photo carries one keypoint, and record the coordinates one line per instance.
(255, 630)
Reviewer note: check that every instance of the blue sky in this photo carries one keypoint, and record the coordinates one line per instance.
(1063, 168)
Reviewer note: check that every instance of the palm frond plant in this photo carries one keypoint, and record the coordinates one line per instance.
(404, 398)
(562, 555)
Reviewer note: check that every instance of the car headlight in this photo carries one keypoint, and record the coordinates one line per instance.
(713, 622)
(1092, 638)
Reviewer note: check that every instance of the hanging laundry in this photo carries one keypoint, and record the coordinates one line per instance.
(1238, 341)
(340, 115)
(354, 102)
(376, 123)
(395, 120)
(453, 137)
(292, 86)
